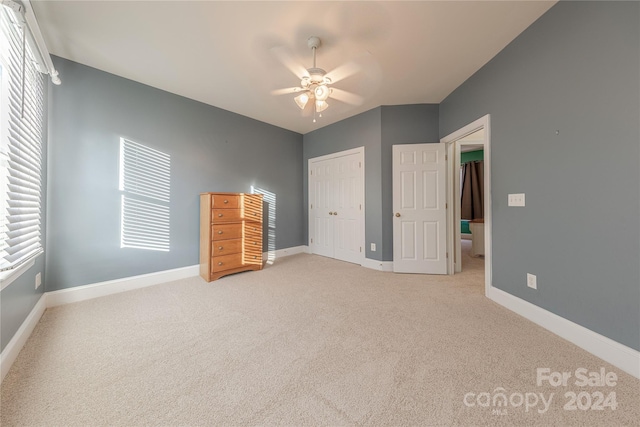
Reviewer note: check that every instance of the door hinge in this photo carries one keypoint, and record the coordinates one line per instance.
(360, 207)
(311, 173)
(359, 164)
(446, 205)
(312, 240)
(360, 248)
(446, 157)
(311, 205)
(447, 254)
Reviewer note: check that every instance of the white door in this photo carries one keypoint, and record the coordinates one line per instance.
(336, 198)
(419, 208)
(347, 208)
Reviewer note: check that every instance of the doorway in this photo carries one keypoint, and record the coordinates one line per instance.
(474, 134)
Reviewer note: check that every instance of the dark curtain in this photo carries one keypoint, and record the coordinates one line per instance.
(472, 195)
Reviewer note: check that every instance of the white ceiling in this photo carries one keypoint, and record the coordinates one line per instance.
(220, 53)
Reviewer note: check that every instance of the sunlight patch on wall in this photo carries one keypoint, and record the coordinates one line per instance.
(145, 183)
(270, 199)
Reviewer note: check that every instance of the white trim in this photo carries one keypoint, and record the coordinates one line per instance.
(454, 153)
(11, 351)
(279, 253)
(619, 355)
(95, 290)
(337, 154)
(374, 264)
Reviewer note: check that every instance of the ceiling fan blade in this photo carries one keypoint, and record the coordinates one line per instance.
(285, 91)
(344, 71)
(287, 60)
(346, 97)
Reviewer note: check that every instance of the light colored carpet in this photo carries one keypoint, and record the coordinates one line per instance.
(306, 341)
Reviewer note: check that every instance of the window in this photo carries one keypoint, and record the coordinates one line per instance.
(145, 183)
(21, 144)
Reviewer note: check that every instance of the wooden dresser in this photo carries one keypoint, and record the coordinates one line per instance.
(230, 234)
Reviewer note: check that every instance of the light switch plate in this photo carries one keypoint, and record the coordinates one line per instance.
(373, 247)
(516, 199)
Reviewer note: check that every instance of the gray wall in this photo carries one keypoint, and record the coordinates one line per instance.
(362, 130)
(577, 71)
(377, 130)
(211, 150)
(401, 124)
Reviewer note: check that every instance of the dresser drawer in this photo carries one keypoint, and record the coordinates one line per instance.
(226, 262)
(223, 201)
(226, 231)
(224, 215)
(226, 247)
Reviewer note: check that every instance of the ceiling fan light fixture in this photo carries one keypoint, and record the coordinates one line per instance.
(321, 92)
(321, 106)
(302, 100)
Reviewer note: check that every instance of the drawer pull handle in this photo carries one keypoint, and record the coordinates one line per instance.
(220, 232)
(220, 263)
(219, 215)
(226, 201)
(219, 248)
(255, 257)
(255, 243)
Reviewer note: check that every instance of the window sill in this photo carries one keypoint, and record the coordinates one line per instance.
(7, 277)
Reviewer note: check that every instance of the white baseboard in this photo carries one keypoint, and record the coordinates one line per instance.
(466, 236)
(619, 355)
(21, 336)
(279, 253)
(378, 265)
(82, 293)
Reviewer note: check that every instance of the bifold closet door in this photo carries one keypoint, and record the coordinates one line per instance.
(336, 207)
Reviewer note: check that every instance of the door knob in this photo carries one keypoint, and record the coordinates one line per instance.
(330, 213)
(335, 213)
(398, 214)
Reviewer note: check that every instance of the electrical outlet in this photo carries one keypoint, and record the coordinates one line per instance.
(373, 247)
(532, 281)
(516, 199)
(38, 280)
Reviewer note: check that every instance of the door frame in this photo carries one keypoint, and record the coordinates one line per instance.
(360, 151)
(453, 152)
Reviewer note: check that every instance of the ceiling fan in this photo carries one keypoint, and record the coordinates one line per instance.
(315, 83)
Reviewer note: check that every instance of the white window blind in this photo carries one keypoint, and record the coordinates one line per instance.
(145, 182)
(21, 141)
